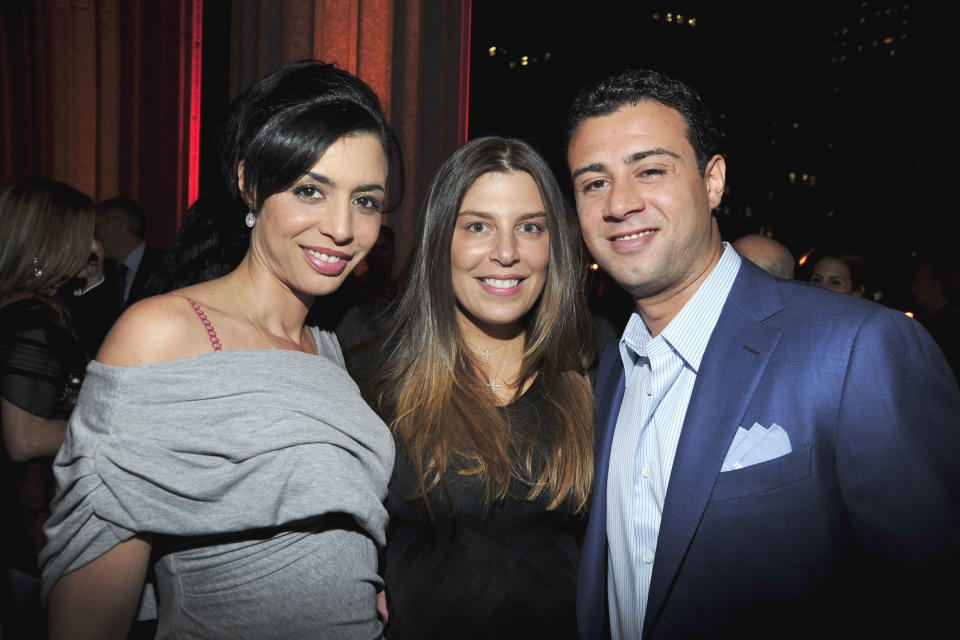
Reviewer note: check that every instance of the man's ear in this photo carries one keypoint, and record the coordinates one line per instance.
(715, 178)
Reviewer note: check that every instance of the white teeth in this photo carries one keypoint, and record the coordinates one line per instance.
(633, 236)
(499, 284)
(323, 256)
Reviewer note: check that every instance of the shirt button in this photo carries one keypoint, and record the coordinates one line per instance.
(648, 557)
(645, 472)
(650, 390)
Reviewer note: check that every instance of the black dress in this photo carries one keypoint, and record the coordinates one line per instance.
(505, 571)
(41, 368)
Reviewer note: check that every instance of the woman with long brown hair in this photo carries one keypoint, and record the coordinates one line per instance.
(46, 238)
(486, 391)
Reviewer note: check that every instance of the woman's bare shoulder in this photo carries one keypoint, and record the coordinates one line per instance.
(156, 329)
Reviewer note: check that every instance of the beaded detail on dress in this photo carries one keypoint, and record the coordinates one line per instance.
(214, 340)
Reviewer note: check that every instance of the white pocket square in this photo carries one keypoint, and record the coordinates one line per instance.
(756, 445)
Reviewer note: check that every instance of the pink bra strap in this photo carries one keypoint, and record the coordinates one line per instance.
(214, 340)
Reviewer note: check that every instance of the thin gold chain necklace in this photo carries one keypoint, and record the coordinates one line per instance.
(236, 294)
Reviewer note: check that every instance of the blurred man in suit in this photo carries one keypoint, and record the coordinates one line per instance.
(121, 226)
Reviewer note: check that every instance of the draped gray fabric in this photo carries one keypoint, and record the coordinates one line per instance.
(218, 443)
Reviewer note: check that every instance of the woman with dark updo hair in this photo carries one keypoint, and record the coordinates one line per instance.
(218, 438)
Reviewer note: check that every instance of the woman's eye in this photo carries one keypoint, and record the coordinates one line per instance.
(476, 227)
(531, 227)
(308, 191)
(368, 202)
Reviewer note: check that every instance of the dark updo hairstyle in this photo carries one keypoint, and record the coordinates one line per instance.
(282, 124)
(276, 130)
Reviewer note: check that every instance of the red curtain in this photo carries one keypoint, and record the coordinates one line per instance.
(104, 95)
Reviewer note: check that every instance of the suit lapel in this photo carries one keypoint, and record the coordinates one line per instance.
(733, 363)
(592, 584)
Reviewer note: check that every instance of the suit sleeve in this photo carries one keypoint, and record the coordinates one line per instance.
(898, 458)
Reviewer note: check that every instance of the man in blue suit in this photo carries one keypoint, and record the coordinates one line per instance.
(773, 459)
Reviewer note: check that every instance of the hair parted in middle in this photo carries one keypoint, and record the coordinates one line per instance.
(431, 386)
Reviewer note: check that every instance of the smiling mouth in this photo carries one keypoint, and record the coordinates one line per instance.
(497, 283)
(634, 236)
(326, 257)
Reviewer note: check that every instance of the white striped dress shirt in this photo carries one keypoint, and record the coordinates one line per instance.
(660, 373)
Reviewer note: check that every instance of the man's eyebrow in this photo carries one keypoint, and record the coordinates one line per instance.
(640, 155)
(599, 167)
(596, 167)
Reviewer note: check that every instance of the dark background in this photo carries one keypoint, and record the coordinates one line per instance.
(832, 113)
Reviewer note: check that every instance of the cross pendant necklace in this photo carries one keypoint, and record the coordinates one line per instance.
(493, 384)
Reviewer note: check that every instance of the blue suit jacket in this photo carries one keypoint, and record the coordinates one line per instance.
(868, 499)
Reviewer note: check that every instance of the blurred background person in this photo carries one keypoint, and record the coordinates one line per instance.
(376, 281)
(122, 227)
(93, 302)
(766, 253)
(365, 295)
(46, 238)
(935, 294)
(484, 383)
(840, 271)
(218, 431)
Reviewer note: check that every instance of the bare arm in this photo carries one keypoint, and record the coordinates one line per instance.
(27, 436)
(99, 600)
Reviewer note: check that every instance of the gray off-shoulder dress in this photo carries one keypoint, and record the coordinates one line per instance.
(260, 476)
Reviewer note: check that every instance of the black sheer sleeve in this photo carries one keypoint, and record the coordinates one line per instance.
(41, 363)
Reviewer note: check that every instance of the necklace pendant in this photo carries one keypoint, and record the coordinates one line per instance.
(493, 384)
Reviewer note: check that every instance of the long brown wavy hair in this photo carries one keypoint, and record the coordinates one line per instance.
(431, 389)
(48, 221)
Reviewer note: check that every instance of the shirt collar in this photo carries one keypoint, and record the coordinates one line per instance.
(134, 257)
(689, 331)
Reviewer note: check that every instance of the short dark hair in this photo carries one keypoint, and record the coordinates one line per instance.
(633, 86)
(129, 211)
(943, 271)
(282, 124)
